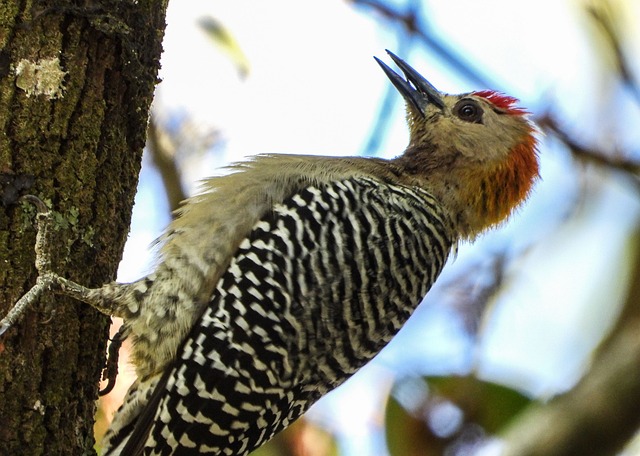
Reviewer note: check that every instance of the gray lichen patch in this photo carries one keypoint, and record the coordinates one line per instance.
(44, 77)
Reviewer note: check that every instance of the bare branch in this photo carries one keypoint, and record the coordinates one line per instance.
(412, 21)
(163, 150)
(581, 152)
(605, 16)
(600, 414)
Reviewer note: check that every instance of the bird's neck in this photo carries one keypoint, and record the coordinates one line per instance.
(488, 196)
(477, 197)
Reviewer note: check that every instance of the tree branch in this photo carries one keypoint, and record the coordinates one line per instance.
(163, 150)
(581, 152)
(601, 413)
(413, 22)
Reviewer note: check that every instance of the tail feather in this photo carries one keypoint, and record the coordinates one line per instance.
(128, 417)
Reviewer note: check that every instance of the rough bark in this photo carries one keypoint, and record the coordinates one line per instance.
(76, 82)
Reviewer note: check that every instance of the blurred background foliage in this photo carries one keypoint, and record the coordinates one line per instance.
(531, 338)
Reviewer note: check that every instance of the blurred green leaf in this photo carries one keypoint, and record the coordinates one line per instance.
(490, 405)
(425, 416)
(224, 39)
(408, 435)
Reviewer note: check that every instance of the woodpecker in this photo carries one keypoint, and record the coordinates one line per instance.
(282, 278)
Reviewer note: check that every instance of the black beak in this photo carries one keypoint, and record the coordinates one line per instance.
(415, 89)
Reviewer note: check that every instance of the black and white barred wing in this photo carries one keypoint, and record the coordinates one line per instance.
(321, 284)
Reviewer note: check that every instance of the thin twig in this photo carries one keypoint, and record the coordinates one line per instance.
(413, 22)
(582, 152)
(162, 149)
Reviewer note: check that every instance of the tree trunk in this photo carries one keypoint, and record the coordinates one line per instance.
(76, 83)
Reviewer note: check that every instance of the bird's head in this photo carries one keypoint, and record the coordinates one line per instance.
(476, 151)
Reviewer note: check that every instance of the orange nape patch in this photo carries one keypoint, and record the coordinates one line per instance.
(507, 185)
(501, 101)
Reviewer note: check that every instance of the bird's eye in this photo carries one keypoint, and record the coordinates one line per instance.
(468, 110)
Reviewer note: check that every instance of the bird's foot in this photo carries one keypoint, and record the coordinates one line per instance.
(47, 280)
